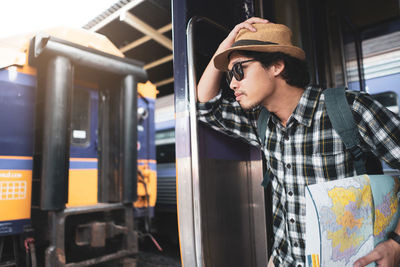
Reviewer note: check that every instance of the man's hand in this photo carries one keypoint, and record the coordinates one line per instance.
(230, 39)
(385, 254)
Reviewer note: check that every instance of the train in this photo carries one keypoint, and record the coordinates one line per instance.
(76, 179)
(165, 154)
(77, 150)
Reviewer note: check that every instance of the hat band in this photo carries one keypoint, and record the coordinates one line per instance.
(251, 42)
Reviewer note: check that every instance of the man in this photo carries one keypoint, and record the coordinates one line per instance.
(263, 68)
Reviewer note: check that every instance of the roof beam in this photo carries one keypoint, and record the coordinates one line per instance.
(158, 62)
(115, 15)
(146, 29)
(164, 82)
(144, 39)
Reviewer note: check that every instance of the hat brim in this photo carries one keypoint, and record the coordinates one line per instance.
(221, 60)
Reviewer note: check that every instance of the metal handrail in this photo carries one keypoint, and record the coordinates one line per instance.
(194, 142)
(192, 86)
(80, 55)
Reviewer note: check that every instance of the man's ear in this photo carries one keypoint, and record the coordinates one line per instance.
(278, 67)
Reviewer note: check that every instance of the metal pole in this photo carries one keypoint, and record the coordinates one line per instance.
(129, 138)
(56, 134)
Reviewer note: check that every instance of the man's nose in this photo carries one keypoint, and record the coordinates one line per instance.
(234, 84)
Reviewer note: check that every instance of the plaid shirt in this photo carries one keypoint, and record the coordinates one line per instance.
(307, 151)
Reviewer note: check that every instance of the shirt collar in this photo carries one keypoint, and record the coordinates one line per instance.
(305, 109)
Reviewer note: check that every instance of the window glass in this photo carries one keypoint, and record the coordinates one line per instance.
(80, 134)
(381, 56)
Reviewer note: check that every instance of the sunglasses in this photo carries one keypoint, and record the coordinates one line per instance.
(236, 71)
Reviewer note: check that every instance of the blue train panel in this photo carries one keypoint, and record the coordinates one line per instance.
(16, 113)
(146, 131)
(13, 227)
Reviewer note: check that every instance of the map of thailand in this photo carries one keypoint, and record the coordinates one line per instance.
(353, 215)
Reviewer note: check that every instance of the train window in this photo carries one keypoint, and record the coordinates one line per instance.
(166, 153)
(380, 62)
(350, 52)
(214, 34)
(80, 121)
(380, 59)
(165, 137)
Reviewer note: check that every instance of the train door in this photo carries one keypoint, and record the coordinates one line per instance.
(221, 209)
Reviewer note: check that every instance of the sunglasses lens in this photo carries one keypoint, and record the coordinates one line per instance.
(229, 75)
(238, 71)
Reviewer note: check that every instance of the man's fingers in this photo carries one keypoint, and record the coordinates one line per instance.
(364, 261)
(243, 25)
(257, 20)
(248, 24)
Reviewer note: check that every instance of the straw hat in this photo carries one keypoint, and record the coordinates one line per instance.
(269, 37)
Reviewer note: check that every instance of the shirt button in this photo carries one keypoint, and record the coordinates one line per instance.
(292, 220)
(288, 166)
(290, 193)
(286, 137)
(299, 265)
(296, 244)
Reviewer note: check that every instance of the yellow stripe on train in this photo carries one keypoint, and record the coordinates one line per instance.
(82, 187)
(315, 260)
(16, 190)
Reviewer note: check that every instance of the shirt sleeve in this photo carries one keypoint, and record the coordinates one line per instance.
(379, 128)
(226, 116)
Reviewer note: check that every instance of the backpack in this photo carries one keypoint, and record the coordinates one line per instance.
(341, 117)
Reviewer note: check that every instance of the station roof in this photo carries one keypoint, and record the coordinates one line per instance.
(142, 30)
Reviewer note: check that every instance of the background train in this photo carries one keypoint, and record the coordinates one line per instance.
(76, 151)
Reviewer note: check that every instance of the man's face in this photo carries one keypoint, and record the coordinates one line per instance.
(256, 85)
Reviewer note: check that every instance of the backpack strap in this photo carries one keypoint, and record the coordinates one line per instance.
(262, 122)
(341, 117)
(261, 128)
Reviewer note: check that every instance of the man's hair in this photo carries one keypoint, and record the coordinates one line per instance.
(295, 72)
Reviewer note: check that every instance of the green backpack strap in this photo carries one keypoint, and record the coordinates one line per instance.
(342, 120)
(261, 128)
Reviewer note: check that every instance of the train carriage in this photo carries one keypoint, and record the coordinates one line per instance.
(77, 149)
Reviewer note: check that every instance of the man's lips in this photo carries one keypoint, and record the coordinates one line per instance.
(238, 95)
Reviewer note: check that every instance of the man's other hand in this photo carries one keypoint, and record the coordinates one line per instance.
(385, 254)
